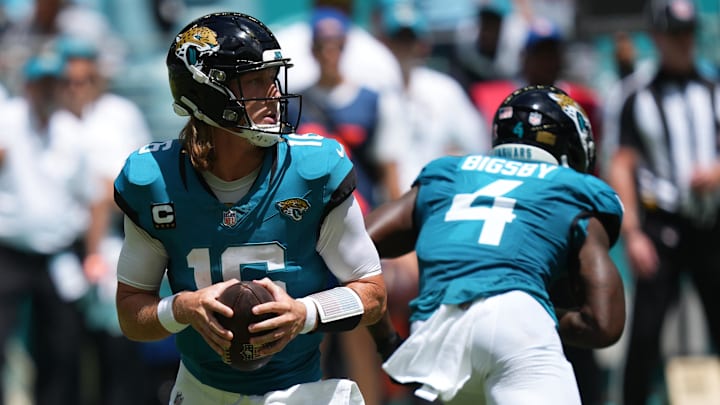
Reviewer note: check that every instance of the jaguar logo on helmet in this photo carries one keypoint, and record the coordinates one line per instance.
(573, 110)
(194, 43)
(564, 101)
(582, 124)
(293, 208)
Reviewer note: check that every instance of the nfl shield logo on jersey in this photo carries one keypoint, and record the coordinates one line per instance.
(230, 218)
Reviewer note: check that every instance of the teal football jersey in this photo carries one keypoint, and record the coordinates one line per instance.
(490, 225)
(271, 232)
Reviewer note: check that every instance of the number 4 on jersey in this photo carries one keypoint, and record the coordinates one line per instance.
(495, 215)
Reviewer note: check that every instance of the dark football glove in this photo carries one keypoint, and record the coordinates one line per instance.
(386, 347)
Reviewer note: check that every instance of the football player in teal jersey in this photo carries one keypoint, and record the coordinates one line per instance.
(492, 235)
(239, 197)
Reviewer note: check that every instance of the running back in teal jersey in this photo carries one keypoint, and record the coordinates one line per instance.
(490, 225)
(271, 232)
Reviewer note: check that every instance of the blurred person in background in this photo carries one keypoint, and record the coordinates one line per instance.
(25, 37)
(110, 128)
(46, 189)
(625, 54)
(542, 62)
(665, 166)
(339, 108)
(438, 117)
(47, 21)
(488, 47)
(365, 60)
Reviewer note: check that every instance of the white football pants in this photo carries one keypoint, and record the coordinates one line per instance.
(501, 350)
(188, 390)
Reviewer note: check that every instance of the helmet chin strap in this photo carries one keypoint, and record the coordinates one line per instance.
(261, 136)
(257, 137)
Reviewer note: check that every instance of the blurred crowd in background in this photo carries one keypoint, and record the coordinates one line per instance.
(398, 82)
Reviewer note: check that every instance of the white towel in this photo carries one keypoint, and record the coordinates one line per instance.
(436, 355)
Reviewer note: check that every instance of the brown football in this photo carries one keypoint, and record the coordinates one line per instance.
(242, 297)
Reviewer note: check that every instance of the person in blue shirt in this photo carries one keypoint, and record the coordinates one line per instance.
(493, 234)
(336, 107)
(240, 197)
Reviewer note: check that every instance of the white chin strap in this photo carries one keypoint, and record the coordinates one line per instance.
(259, 135)
(257, 138)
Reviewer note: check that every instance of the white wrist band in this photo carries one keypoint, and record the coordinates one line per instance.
(337, 303)
(311, 317)
(166, 316)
